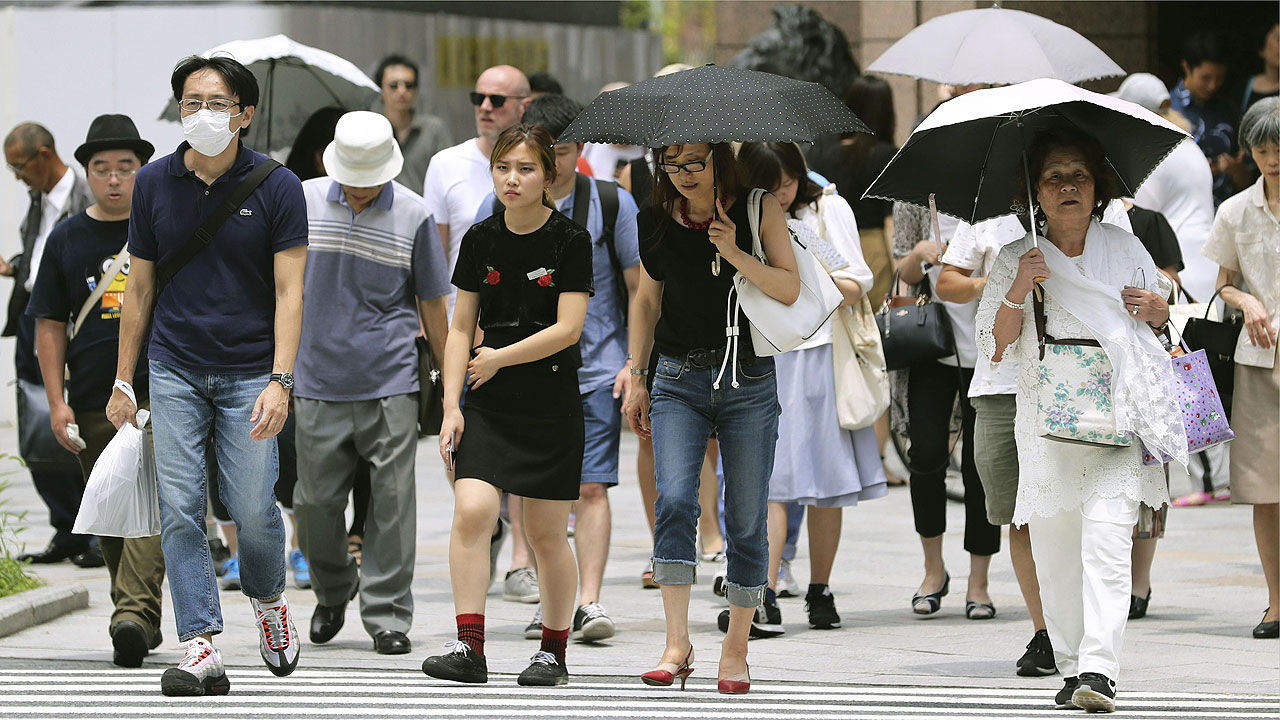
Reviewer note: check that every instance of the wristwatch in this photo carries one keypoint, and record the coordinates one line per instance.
(285, 380)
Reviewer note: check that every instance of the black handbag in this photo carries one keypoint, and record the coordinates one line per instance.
(1218, 340)
(913, 329)
(430, 391)
(37, 445)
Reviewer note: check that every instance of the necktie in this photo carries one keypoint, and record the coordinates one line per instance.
(30, 230)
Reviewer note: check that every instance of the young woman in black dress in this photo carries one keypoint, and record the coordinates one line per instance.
(523, 277)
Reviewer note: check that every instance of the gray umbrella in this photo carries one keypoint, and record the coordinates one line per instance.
(994, 46)
(713, 104)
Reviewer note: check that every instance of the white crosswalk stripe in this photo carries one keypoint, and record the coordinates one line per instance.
(319, 694)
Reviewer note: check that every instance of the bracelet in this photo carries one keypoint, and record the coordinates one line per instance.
(1016, 306)
(639, 371)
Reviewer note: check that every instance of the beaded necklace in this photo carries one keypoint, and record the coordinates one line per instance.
(684, 217)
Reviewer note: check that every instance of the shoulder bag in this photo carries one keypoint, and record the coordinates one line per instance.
(775, 326)
(913, 329)
(430, 391)
(1073, 390)
(1217, 338)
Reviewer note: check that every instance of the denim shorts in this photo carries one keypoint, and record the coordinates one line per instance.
(602, 419)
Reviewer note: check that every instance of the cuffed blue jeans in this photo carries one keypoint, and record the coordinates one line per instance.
(188, 409)
(685, 409)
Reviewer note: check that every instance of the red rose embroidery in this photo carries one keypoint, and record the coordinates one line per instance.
(545, 281)
(493, 277)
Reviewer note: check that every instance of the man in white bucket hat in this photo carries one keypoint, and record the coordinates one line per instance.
(375, 274)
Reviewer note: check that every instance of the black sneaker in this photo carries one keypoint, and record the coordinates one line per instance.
(460, 664)
(766, 623)
(219, 554)
(1096, 693)
(545, 670)
(1062, 701)
(822, 611)
(591, 623)
(1038, 661)
(130, 644)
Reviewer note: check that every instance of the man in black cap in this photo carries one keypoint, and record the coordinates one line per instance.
(77, 303)
(57, 192)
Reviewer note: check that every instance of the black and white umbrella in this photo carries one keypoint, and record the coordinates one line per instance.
(713, 104)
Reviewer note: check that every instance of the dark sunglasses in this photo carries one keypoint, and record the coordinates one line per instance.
(496, 101)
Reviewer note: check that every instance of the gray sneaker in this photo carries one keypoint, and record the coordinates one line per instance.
(591, 623)
(521, 585)
(787, 585)
(533, 631)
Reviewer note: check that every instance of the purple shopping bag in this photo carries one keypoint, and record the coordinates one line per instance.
(1202, 414)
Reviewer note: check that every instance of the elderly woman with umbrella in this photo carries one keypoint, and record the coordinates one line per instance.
(708, 378)
(1079, 311)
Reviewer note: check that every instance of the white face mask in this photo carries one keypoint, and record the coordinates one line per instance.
(207, 131)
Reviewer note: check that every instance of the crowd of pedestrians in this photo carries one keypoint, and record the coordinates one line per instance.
(560, 288)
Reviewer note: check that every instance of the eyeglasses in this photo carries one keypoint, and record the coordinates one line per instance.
(21, 167)
(496, 101)
(397, 84)
(690, 167)
(103, 174)
(216, 104)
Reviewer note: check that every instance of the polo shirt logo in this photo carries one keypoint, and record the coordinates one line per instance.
(246, 212)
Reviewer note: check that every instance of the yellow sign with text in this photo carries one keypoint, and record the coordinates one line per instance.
(461, 58)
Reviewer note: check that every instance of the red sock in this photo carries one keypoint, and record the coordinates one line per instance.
(471, 631)
(555, 641)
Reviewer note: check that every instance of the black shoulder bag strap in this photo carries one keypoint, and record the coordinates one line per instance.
(166, 269)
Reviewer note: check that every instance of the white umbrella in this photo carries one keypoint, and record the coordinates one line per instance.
(994, 46)
(295, 80)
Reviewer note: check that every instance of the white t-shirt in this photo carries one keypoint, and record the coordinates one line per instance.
(458, 179)
(1181, 189)
(53, 202)
(604, 158)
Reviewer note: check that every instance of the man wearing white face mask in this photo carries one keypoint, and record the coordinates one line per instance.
(218, 239)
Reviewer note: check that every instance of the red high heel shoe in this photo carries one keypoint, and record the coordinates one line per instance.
(661, 676)
(739, 684)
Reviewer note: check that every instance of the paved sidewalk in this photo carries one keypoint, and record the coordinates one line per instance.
(1208, 594)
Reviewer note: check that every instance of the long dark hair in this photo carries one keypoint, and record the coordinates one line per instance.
(764, 164)
(870, 98)
(728, 178)
(315, 136)
(537, 139)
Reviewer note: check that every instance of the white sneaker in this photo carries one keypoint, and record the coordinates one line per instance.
(721, 564)
(787, 585)
(199, 673)
(591, 623)
(521, 585)
(277, 639)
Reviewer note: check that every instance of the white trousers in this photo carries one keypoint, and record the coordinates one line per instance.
(1083, 565)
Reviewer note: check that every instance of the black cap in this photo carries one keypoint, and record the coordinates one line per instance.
(113, 132)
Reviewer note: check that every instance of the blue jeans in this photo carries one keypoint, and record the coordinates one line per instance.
(188, 409)
(685, 409)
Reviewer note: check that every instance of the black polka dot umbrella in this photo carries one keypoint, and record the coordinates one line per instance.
(713, 103)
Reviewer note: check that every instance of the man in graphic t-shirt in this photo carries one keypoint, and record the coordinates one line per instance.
(81, 255)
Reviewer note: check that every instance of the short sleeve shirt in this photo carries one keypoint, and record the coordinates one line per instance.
(79, 250)
(364, 275)
(458, 178)
(1246, 238)
(519, 278)
(218, 313)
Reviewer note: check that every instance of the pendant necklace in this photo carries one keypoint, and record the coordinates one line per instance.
(684, 218)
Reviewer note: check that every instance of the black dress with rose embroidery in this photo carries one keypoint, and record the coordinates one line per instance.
(523, 431)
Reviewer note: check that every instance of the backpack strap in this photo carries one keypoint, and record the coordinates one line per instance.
(608, 192)
(170, 266)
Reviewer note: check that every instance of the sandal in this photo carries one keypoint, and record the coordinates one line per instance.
(931, 603)
(355, 547)
(979, 611)
(1193, 500)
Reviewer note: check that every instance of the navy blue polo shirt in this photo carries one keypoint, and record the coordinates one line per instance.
(218, 313)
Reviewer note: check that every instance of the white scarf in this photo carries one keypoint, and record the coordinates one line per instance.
(1142, 376)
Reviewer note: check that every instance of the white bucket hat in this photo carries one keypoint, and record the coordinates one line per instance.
(364, 151)
(1143, 89)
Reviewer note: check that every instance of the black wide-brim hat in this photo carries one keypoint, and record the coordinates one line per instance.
(113, 132)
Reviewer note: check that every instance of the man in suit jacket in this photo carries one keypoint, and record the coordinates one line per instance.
(56, 192)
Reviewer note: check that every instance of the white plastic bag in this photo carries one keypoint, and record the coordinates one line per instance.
(120, 499)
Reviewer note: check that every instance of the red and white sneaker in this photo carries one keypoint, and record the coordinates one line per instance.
(278, 641)
(199, 673)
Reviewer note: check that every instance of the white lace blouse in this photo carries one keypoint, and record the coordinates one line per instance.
(1056, 477)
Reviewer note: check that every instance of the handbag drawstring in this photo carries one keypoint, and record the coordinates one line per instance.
(731, 335)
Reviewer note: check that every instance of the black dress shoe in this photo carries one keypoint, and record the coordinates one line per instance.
(53, 553)
(130, 642)
(1267, 630)
(391, 642)
(91, 558)
(326, 621)
(1138, 605)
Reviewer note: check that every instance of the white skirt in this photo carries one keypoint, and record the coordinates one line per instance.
(817, 462)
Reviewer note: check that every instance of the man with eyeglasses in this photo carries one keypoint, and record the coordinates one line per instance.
(57, 192)
(222, 342)
(81, 286)
(420, 135)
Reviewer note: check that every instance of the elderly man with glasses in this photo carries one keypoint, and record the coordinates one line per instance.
(218, 241)
(57, 192)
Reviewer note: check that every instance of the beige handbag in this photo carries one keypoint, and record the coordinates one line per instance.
(862, 382)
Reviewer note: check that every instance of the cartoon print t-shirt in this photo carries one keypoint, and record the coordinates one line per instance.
(77, 254)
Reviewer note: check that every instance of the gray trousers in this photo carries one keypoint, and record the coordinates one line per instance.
(332, 437)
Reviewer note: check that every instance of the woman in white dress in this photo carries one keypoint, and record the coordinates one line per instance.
(1081, 501)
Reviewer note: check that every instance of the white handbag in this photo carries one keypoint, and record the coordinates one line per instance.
(775, 326)
(861, 380)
